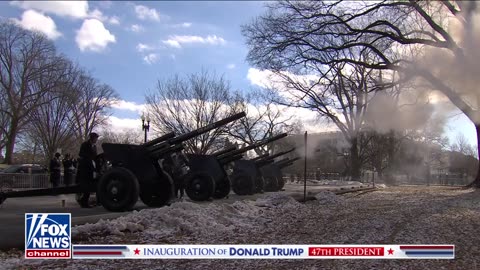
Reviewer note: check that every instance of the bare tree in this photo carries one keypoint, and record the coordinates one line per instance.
(125, 137)
(29, 70)
(462, 145)
(91, 101)
(440, 33)
(185, 104)
(264, 119)
(50, 124)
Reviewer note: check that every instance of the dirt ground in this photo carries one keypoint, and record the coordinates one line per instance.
(398, 215)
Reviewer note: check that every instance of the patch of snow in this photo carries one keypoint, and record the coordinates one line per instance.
(328, 197)
(394, 215)
(276, 200)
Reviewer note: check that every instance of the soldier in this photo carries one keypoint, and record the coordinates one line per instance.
(86, 167)
(55, 170)
(68, 170)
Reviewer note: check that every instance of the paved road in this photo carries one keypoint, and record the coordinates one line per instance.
(12, 211)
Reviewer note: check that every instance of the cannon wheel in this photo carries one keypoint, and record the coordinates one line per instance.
(222, 189)
(2, 197)
(271, 184)
(259, 184)
(242, 184)
(118, 189)
(93, 200)
(199, 186)
(281, 183)
(158, 194)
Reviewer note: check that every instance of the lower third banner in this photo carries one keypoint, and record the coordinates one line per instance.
(263, 252)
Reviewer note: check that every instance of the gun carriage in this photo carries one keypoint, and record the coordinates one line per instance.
(135, 171)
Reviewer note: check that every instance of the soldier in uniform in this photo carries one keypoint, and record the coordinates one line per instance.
(86, 167)
(55, 170)
(68, 170)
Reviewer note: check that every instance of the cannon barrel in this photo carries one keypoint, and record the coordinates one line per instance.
(260, 157)
(279, 154)
(159, 139)
(229, 159)
(255, 145)
(286, 160)
(169, 149)
(158, 147)
(205, 129)
(223, 151)
(263, 162)
(285, 165)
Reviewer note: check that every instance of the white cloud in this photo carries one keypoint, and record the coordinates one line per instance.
(114, 20)
(97, 14)
(33, 20)
(128, 105)
(144, 47)
(74, 9)
(151, 58)
(146, 13)
(119, 125)
(182, 25)
(93, 36)
(260, 78)
(177, 41)
(136, 28)
(231, 66)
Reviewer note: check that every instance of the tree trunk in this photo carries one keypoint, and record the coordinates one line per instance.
(476, 182)
(11, 143)
(354, 160)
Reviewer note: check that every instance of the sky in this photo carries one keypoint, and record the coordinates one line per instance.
(131, 45)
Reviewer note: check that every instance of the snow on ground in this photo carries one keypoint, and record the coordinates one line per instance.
(393, 215)
(312, 182)
(328, 198)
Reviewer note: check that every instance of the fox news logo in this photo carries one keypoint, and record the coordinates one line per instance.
(47, 236)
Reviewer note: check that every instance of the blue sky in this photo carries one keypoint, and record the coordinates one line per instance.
(130, 45)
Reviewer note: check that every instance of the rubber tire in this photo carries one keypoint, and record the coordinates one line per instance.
(127, 184)
(158, 194)
(207, 186)
(280, 183)
(259, 184)
(242, 184)
(271, 184)
(3, 197)
(222, 189)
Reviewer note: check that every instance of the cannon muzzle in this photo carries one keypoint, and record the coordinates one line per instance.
(279, 154)
(264, 162)
(159, 139)
(223, 151)
(285, 165)
(255, 145)
(205, 129)
(260, 157)
(285, 161)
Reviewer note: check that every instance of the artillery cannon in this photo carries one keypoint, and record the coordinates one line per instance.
(245, 178)
(265, 165)
(202, 184)
(135, 171)
(273, 172)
